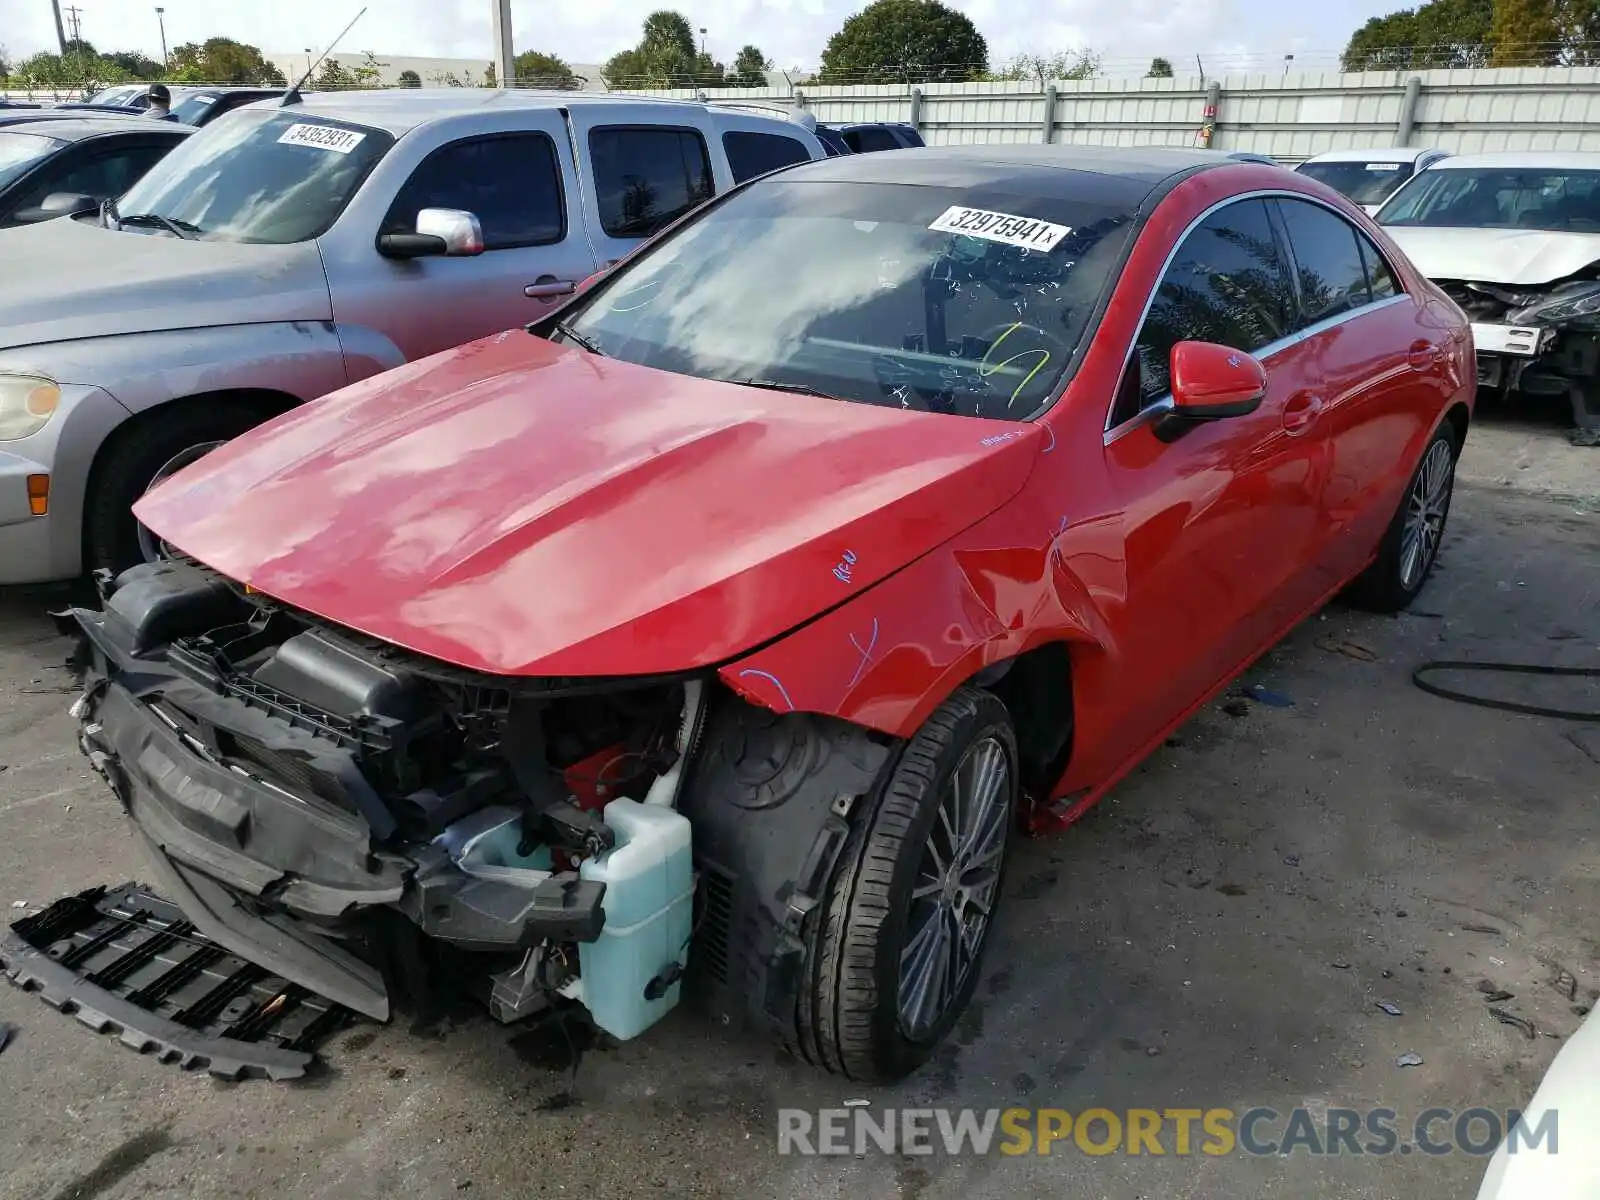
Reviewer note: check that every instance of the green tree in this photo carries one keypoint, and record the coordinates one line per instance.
(1525, 33)
(135, 65)
(534, 68)
(1042, 68)
(665, 57)
(1440, 33)
(333, 76)
(669, 35)
(1160, 68)
(410, 79)
(223, 60)
(750, 68)
(905, 41)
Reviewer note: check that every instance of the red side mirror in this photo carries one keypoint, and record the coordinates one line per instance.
(1209, 383)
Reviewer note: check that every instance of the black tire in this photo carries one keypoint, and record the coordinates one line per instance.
(111, 535)
(849, 1018)
(1390, 583)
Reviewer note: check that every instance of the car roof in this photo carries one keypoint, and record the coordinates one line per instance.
(77, 129)
(1124, 175)
(400, 110)
(1560, 160)
(1365, 154)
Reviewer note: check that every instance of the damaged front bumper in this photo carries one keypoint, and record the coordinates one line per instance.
(284, 877)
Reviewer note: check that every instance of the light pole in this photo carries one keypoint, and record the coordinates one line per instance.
(161, 22)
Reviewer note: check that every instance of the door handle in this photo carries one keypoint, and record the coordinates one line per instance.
(1422, 355)
(547, 288)
(1301, 412)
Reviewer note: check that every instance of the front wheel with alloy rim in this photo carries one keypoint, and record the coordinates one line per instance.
(896, 949)
(1410, 546)
(142, 456)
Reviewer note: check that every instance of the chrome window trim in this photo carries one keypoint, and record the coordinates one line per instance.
(1164, 403)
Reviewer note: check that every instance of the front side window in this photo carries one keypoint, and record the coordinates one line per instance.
(647, 177)
(752, 154)
(953, 300)
(20, 152)
(277, 176)
(512, 184)
(1333, 279)
(1228, 283)
(1363, 182)
(1553, 200)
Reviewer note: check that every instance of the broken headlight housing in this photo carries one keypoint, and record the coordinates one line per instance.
(1577, 302)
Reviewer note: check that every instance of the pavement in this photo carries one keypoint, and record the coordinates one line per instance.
(1218, 933)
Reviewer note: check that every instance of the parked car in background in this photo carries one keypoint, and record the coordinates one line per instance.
(1372, 174)
(1514, 238)
(284, 252)
(869, 137)
(53, 169)
(1250, 156)
(855, 138)
(190, 105)
(873, 511)
(127, 95)
(29, 115)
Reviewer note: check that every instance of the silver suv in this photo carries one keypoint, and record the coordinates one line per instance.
(287, 250)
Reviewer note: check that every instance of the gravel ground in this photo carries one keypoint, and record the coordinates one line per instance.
(1217, 934)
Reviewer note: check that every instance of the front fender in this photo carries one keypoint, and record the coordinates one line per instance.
(303, 359)
(888, 657)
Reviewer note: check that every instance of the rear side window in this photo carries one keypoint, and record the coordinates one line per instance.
(647, 177)
(752, 154)
(512, 184)
(1333, 279)
(1228, 283)
(1379, 277)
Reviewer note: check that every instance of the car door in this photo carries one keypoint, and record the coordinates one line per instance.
(643, 168)
(1378, 371)
(519, 184)
(1218, 523)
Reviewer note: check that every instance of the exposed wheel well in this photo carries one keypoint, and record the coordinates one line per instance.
(1036, 688)
(1459, 418)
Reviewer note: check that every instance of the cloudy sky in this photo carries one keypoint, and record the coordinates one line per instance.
(1236, 34)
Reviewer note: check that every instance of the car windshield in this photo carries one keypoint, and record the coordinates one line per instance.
(955, 300)
(191, 109)
(1553, 200)
(1363, 182)
(19, 151)
(274, 176)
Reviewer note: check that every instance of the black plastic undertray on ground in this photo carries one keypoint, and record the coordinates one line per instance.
(123, 960)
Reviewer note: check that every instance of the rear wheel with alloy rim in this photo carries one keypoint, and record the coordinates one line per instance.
(1410, 546)
(897, 948)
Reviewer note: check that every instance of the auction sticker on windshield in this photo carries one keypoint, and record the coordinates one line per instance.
(323, 137)
(1026, 232)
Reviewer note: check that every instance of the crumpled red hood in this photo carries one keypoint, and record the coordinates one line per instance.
(522, 508)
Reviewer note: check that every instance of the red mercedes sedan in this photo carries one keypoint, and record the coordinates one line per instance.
(714, 635)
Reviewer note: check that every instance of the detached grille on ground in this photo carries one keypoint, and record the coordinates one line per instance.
(124, 960)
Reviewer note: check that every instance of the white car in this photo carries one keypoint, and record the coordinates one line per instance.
(1514, 239)
(1569, 1166)
(1369, 175)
